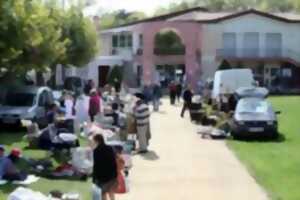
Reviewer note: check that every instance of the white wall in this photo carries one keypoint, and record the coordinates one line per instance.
(213, 33)
(262, 25)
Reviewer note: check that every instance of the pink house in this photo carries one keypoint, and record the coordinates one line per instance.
(139, 48)
(267, 43)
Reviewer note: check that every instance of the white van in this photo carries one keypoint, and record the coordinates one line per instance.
(228, 81)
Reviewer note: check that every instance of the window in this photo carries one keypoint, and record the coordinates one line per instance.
(229, 44)
(115, 41)
(274, 72)
(141, 40)
(251, 44)
(273, 44)
(287, 73)
(129, 40)
(122, 40)
(19, 99)
(43, 99)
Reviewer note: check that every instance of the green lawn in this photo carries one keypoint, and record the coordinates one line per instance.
(276, 165)
(43, 185)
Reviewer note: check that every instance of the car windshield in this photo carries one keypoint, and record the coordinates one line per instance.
(253, 106)
(19, 99)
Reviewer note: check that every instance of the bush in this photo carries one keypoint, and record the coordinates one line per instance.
(115, 74)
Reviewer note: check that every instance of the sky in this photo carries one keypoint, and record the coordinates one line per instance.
(147, 6)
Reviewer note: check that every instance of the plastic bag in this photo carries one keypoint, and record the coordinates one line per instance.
(26, 194)
(82, 160)
(97, 192)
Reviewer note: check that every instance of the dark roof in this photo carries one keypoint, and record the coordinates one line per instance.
(284, 17)
(251, 11)
(164, 17)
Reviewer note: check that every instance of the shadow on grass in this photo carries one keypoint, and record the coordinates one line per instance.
(8, 188)
(280, 139)
(9, 138)
(151, 156)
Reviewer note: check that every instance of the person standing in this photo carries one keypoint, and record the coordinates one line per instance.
(105, 170)
(178, 91)
(70, 102)
(172, 91)
(142, 117)
(187, 98)
(94, 105)
(156, 97)
(89, 86)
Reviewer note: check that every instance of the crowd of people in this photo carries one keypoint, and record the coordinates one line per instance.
(69, 117)
(106, 108)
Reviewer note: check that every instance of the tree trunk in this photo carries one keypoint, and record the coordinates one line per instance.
(40, 81)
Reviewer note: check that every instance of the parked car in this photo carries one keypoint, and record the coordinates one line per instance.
(254, 116)
(28, 103)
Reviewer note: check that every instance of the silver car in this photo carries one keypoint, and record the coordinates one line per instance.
(25, 103)
(254, 116)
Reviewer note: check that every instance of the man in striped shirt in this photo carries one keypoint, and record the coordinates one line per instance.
(142, 116)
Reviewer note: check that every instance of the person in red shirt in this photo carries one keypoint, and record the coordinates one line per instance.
(172, 91)
(94, 105)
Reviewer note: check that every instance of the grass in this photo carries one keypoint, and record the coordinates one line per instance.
(43, 185)
(276, 165)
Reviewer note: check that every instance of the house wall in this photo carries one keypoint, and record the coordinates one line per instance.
(213, 38)
(190, 33)
(105, 44)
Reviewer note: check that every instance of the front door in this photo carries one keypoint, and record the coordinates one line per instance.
(103, 72)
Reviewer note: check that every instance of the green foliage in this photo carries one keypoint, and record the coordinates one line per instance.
(120, 17)
(82, 36)
(116, 74)
(224, 65)
(168, 42)
(233, 5)
(34, 35)
(30, 38)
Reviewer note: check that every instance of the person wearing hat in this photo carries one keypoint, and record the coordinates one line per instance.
(142, 117)
(8, 169)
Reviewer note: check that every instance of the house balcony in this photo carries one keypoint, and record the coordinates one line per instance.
(258, 55)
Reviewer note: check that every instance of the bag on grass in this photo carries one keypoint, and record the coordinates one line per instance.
(26, 194)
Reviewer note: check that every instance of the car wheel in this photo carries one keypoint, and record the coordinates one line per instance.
(274, 135)
(235, 135)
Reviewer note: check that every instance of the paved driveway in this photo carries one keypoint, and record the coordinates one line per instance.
(182, 166)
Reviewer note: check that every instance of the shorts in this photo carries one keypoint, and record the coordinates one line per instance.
(109, 186)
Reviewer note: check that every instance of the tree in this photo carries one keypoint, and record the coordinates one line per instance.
(82, 36)
(38, 36)
(31, 39)
(168, 42)
(120, 17)
(234, 5)
(115, 75)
